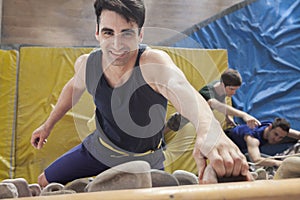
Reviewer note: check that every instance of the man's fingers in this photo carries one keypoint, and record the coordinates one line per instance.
(218, 164)
(258, 123)
(244, 168)
(201, 163)
(237, 161)
(249, 176)
(228, 162)
(35, 141)
(242, 161)
(209, 176)
(201, 167)
(241, 166)
(41, 143)
(252, 124)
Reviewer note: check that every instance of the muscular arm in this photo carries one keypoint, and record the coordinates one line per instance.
(68, 97)
(254, 153)
(163, 75)
(229, 110)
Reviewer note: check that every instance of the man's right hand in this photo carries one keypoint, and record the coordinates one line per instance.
(251, 121)
(210, 177)
(224, 156)
(39, 137)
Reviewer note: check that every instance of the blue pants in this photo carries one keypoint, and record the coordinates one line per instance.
(79, 163)
(76, 163)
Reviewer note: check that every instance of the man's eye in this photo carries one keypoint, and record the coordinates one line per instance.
(127, 34)
(108, 33)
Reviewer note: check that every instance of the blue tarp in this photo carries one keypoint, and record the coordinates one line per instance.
(263, 43)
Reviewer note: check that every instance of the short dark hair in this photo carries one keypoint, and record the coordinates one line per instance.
(131, 10)
(231, 77)
(282, 123)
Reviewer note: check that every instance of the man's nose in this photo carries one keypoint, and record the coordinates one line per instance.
(117, 41)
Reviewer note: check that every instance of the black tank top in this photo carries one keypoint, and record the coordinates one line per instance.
(131, 116)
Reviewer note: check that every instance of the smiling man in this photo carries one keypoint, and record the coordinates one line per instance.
(131, 84)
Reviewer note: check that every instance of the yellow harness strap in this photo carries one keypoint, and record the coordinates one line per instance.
(105, 144)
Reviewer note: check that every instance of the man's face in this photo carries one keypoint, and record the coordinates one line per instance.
(118, 38)
(275, 135)
(231, 90)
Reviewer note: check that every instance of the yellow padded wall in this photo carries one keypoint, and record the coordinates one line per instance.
(8, 71)
(42, 74)
(200, 66)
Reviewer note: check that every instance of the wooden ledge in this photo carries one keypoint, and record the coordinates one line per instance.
(261, 189)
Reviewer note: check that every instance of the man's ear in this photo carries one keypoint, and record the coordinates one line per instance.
(270, 126)
(97, 32)
(97, 36)
(141, 36)
(222, 84)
